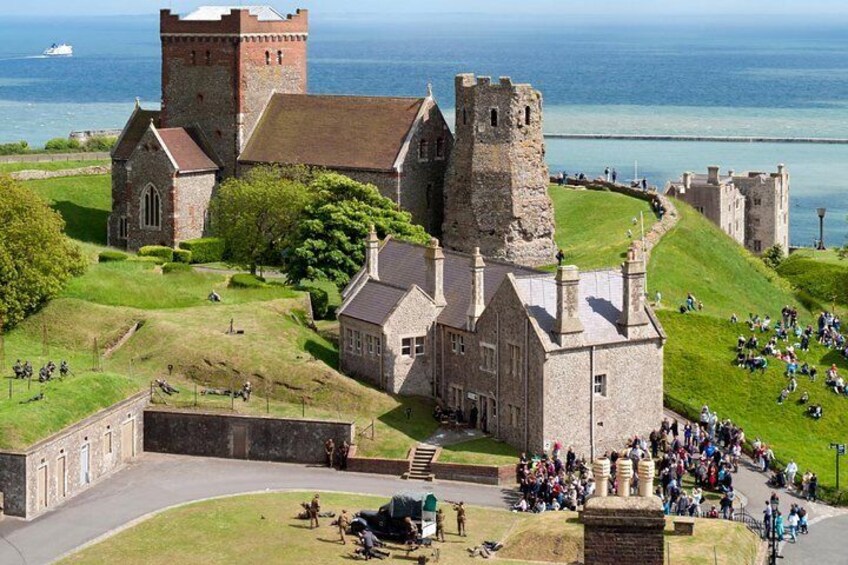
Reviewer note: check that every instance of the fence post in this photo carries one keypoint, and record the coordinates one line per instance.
(195, 394)
(372, 429)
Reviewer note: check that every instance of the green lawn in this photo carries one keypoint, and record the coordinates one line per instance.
(826, 256)
(263, 528)
(49, 165)
(699, 370)
(482, 451)
(591, 226)
(699, 258)
(84, 202)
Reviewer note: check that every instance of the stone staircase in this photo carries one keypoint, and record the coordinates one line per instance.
(419, 463)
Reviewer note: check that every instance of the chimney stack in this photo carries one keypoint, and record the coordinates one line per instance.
(687, 181)
(478, 297)
(633, 290)
(435, 258)
(568, 325)
(712, 175)
(372, 254)
(781, 168)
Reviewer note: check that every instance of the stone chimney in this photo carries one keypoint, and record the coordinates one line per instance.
(646, 470)
(781, 168)
(372, 254)
(601, 474)
(687, 181)
(435, 260)
(633, 291)
(568, 326)
(478, 296)
(712, 175)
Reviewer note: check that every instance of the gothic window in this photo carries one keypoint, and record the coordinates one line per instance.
(423, 150)
(193, 57)
(151, 209)
(279, 57)
(208, 57)
(494, 117)
(527, 115)
(267, 57)
(440, 148)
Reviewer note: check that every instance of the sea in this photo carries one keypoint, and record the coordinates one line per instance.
(692, 76)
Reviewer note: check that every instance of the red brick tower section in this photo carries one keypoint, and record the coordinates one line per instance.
(219, 74)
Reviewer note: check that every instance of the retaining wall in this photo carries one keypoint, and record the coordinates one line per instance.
(79, 172)
(43, 157)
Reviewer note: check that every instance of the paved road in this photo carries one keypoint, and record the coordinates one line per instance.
(158, 481)
(824, 544)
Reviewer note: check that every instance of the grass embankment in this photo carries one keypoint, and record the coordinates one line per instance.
(699, 258)
(823, 282)
(827, 256)
(268, 522)
(83, 201)
(477, 450)
(50, 165)
(591, 226)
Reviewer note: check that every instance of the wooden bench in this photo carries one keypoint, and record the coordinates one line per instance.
(684, 526)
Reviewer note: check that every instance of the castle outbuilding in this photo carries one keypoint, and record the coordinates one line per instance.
(571, 356)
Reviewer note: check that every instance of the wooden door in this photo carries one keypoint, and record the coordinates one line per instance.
(41, 487)
(85, 461)
(62, 477)
(127, 440)
(239, 437)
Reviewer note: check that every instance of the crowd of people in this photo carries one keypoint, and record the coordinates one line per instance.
(553, 482)
(24, 370)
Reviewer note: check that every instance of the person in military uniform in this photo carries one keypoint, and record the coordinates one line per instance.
(18, 369)
(314, 509)
(64, 369)
(330, 450)
(440, 525)
(344, 524)
(460, 518)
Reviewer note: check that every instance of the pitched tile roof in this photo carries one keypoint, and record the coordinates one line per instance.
(374, 302)
(187, 154)
(345, 132)
(135, 128)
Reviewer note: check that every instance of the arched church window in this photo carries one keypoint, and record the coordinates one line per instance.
(151, 208)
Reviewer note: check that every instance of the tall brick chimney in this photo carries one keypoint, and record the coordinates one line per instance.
(633, 291)
(372, 254)
(568, 327)
(435, 258)
(712, 175)
(478, 297)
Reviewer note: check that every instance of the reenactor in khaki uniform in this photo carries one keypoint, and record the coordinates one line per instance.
(314, 509)
(440, 525)
(330, 450)
(344, 524)
(460, 518)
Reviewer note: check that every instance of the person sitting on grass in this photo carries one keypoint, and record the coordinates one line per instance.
(214, 297)
(815, 411)
(805, 397)
(793, 384)
(784, 394)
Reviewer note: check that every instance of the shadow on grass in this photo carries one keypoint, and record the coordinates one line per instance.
(84, 224)
(419, 425)
(327, 355)
(834, 357)
(485, 446)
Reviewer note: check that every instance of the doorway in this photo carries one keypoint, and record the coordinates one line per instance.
(41, 487)
(85, 463)
(239, 436)
(62, 476)
(484, 413)
(128, 440)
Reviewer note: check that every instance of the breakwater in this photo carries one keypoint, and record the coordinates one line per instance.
(715, 138)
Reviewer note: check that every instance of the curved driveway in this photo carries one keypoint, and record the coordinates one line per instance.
(157, 481)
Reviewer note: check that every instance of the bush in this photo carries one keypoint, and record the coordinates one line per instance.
(825, 282)
(153, 260)
(320, 301)
(182, 256)
(17, 148)
(176, 268)
(773, 256)
(60, 144)
(111, 256)
(100, 144)
(246, 280)
(205, 249)
(160, 251)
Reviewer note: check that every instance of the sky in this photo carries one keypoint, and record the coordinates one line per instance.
(617, 9)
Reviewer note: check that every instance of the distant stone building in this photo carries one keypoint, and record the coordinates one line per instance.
(234, 96)
(752, 208)
(496, 195)
(571, 356)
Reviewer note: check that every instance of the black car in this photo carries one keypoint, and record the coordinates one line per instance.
(389, 521)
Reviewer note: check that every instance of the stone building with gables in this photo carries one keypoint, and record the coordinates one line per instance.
(571, 356)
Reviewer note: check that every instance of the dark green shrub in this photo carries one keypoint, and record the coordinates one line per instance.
(825, 282)
(153, 260)
(246, 280)
(320, 301)
(60, 144)
(100, 144)
(205, 249)
(182, 256)
(111, 256)
(176, 268)
(160, 251)
(16, 148)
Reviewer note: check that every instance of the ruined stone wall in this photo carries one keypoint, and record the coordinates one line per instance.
(362, 364)
(149, 164)
(193, 192)
(767, 210)
(414, 316)
(496, 184)
(119, 204)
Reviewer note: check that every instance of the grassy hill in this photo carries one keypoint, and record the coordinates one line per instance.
(820, 279)
(84, 202)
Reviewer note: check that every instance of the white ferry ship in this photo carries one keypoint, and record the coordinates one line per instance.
(62, 50)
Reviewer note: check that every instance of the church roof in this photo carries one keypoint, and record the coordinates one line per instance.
(185, 151)
(135, 128)
(214, 13)
(337, 132)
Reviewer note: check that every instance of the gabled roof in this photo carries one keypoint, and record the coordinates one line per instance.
(185, 151)
(337, 132)
(374, 302)
(136, 126)
(213, 13)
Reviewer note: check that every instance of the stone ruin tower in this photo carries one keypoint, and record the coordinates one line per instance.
(221, 66)
(496, 186)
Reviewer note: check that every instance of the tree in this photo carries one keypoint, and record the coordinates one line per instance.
(329, 243)
(36, 258)
(773, 256)
(256, 214)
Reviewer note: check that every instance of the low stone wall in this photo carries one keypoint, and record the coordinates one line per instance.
(79, 172)
(49, 157)
(503, 475)
(395, 467)
(234, 436)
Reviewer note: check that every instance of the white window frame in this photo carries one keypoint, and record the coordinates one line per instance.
(154, 215)
(349, 339)
(488, 358)
(600, 385)
(407, 347)
(378, 345)
(420, 346)
(357, 341)
(423, 150)
(514, 360)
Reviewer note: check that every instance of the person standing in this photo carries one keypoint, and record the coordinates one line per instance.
(314, 509)
(330, 450)
(813, 487)
(460, 518)
(440, 525)
(614, 175)
(792, 520)
(791, 470)
(344, 524)
(607, 174)
(560, 256)
(368, 543)
(767, 519)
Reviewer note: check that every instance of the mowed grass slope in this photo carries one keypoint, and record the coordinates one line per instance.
(83, 201)
(697, 257)
(591, 226)
(50, 165)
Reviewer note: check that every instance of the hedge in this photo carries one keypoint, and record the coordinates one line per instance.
(111, 256)
(246, 280)
(175, 268)
(182, 256)
(319, 299)
(205, 249)
(160, 251)
(154, 260)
